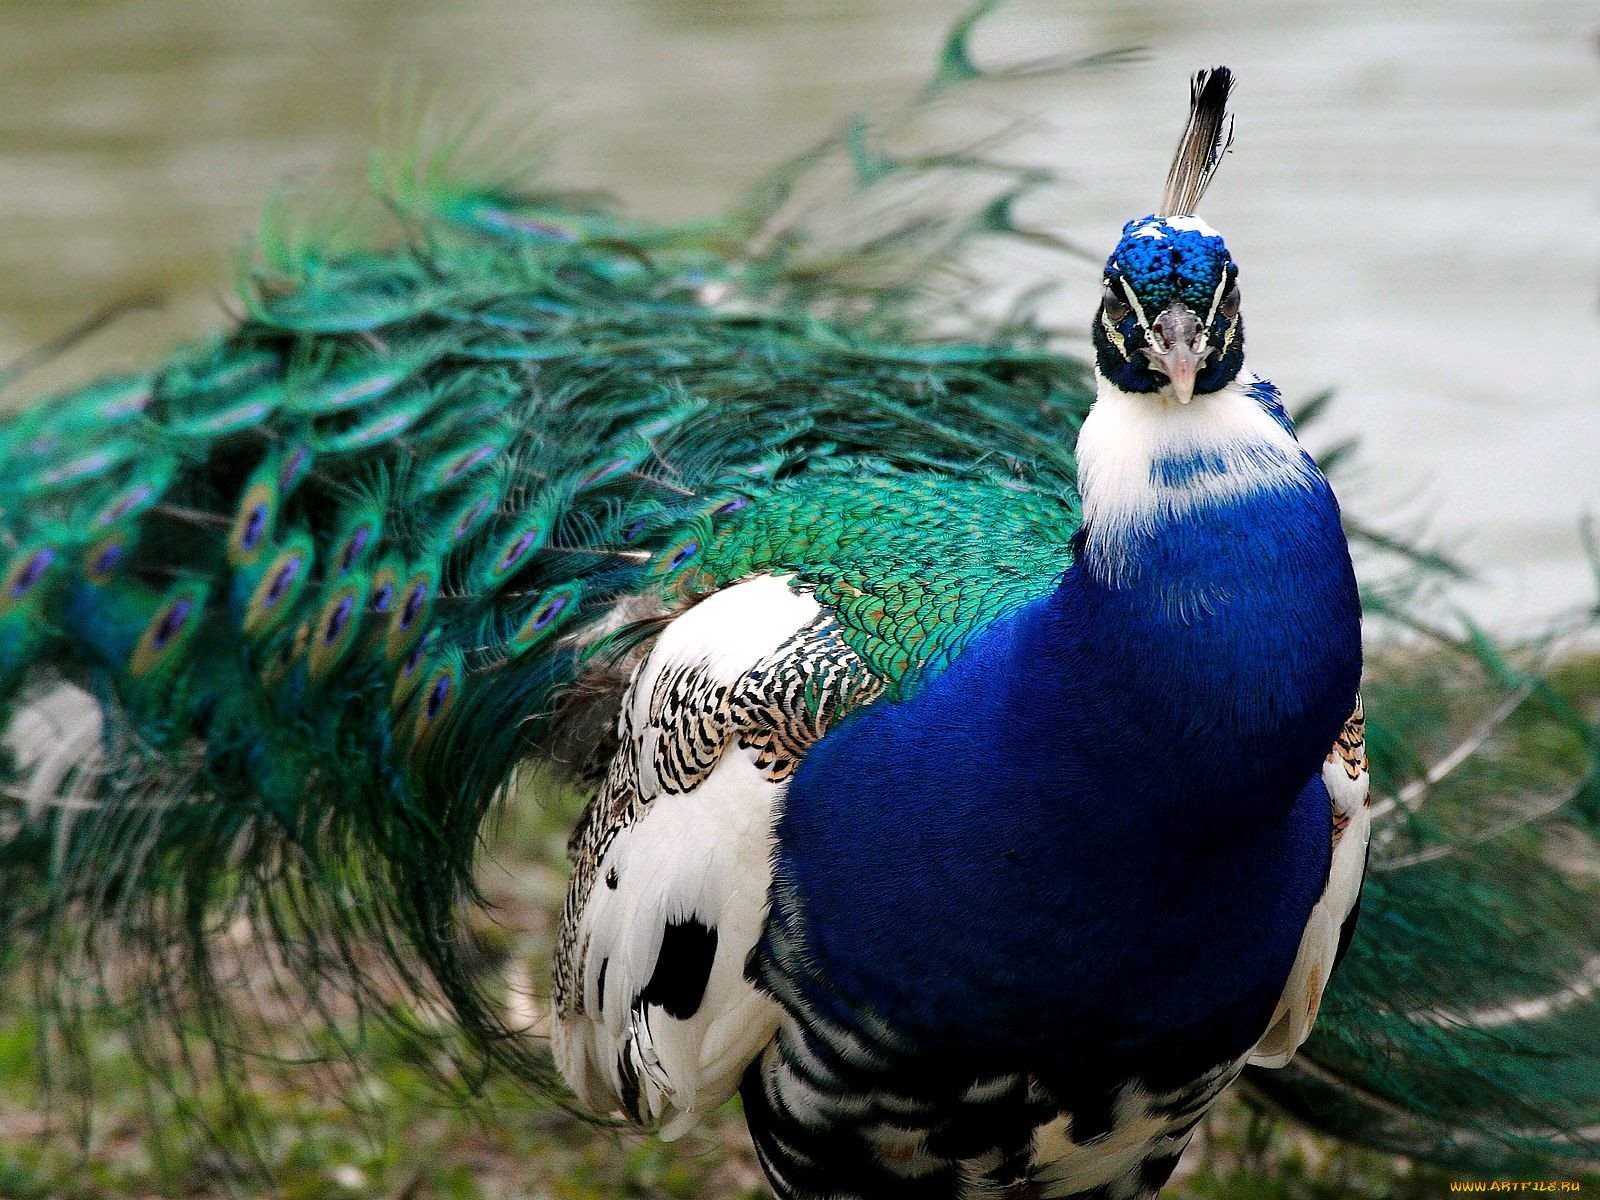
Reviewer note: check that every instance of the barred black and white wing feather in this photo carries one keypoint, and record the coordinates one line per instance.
(653, 1011)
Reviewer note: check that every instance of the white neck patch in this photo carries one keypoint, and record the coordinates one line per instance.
(1144, 460)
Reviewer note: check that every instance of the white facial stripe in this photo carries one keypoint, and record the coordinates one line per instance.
(1143, 459)
(1216, 299)
(1133, 302)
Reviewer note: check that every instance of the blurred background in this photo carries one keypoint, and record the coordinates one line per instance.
(1412, 195)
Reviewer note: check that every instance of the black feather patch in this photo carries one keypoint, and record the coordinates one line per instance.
(628, 1087)
(1093, 1117)
(683, 968)
(1206, 138)
(1154, 1172)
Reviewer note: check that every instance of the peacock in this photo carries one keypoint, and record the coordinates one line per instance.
(974, 730)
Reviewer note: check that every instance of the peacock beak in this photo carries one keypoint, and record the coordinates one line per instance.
(1178, 348)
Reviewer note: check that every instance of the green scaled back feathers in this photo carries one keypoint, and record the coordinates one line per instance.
(329, 579)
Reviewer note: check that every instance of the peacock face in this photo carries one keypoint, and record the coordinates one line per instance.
(1169, 314)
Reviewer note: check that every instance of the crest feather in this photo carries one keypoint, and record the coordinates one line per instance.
(1206, 138)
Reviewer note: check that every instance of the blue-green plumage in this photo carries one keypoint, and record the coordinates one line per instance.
(337, 626)
(363, 520)
(255, 518)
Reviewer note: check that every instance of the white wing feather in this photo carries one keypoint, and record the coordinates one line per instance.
(700, 852)
(1346, 777)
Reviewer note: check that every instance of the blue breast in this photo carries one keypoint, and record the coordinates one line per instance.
(1091, 845)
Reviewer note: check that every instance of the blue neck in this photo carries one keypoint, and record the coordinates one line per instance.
(1223, 649)
(1103, 827)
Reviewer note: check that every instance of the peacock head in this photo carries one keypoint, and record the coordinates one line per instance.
(1169, 322)
(1169, 310)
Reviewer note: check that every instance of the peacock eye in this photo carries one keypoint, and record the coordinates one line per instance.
(1230, 301)
(1114, 302)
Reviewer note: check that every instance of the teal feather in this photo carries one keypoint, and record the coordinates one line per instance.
(359, 538)
(385, 589)
(294, 464)
(478, 453)
(676, 563)
(413, 606)
(102, 406)
(411, 671)
(468, 512)
(370, 430)
(172, 624)
(103, 559)
(322, 393)
(133, 498)
(335, 629)
(90, 462)
(213, 372)
(30, 573)
(508, 552)
(544, 618)
(276, 661)
(255, 519)
(430, 702)
(25, 631)
(269, 593)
